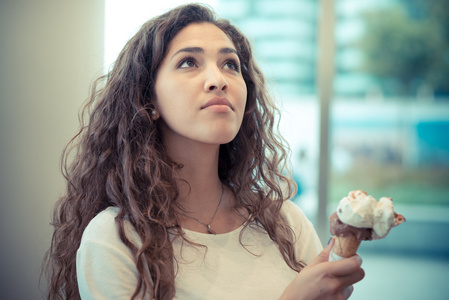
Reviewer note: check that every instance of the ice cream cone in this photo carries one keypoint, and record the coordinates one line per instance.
(346, 246)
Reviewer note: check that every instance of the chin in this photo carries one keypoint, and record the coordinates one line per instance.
(222, 138)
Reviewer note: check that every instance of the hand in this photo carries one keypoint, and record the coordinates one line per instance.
(324, 280)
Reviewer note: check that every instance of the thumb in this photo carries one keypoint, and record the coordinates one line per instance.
(323, 256)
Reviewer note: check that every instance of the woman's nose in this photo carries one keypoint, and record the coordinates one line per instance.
(215, 81)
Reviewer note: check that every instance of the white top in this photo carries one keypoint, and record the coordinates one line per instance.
(226, 270)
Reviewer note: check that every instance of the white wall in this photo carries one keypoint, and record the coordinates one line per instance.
(50, 52)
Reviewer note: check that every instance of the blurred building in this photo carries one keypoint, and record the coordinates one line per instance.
(374, 122)
(284, 36)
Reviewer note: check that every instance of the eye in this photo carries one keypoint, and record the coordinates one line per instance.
(188, 62)
(232, 64)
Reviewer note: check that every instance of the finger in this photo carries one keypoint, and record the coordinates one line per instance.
(323, 255)
(353, 278)
(345, 266)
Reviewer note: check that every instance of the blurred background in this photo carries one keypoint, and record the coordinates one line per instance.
(364, 92)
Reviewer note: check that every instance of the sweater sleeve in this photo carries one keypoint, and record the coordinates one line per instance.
(307, 243)
(105, 266)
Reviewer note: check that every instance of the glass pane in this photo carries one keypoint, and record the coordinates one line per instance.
(283, 34)
(391, 112)
(390, 129)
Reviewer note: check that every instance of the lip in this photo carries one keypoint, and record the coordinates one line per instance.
(218, 101)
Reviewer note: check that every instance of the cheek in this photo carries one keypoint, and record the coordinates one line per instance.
(243, 94)
(164, 94)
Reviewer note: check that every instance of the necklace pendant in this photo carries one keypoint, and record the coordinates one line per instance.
(210, 229)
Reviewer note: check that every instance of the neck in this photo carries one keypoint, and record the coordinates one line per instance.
(199, 184)
(200, 188)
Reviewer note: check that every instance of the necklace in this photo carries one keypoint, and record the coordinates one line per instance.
(210, 230)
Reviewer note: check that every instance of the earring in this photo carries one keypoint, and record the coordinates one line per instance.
(154, 114)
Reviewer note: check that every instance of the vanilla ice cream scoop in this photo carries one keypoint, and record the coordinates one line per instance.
(357, 209)
(383, 218)
(360, 210)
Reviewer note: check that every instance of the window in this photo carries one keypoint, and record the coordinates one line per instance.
(389, 133)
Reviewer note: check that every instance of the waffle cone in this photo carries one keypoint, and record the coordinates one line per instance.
(346, 246)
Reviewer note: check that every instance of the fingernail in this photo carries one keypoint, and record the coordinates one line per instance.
(348, 291)
(359, 259)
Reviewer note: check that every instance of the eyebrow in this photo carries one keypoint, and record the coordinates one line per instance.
(225, 50)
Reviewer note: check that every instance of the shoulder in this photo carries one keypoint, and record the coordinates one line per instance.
(103, 228)
(307, 243)
(105, 266)
(102, 225)
(293, 214)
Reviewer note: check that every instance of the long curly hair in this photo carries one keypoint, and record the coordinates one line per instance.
(118, 159)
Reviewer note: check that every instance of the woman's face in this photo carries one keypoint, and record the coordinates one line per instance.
(200, 91)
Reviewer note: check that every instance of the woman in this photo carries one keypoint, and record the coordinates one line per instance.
(176, 189)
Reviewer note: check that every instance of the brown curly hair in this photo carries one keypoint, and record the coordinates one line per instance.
(118, 159)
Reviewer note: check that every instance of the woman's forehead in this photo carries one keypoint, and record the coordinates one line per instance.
(201, 35)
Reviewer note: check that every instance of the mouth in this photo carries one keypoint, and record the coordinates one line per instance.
(218, 101)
